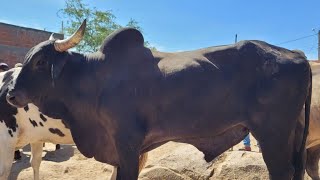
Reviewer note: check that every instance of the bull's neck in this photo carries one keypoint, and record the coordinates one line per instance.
(79, 82)
(83, 65)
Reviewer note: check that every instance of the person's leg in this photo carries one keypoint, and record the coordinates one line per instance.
(246, 140)
(246, 143)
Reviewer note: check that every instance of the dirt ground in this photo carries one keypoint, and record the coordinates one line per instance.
(68, 163)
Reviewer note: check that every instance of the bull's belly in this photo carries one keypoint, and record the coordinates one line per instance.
(185, 131)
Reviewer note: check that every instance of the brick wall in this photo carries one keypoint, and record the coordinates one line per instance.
(15, 41)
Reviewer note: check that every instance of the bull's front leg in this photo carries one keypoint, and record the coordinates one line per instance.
(129, 164)
(128, 141)
(142, 162)
(128, 148)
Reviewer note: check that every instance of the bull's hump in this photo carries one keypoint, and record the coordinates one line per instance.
(122, 39)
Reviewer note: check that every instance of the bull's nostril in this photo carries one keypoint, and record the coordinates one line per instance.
(16, 99)
(12, 98)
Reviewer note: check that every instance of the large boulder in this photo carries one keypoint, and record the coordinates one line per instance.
(242, 165)
(176, 161)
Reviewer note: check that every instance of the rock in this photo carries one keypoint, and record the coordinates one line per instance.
(179, 160)
(242, 165)
(160, 173)
(66, 169)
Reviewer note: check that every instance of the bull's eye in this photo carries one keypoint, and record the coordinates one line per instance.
(41, 63)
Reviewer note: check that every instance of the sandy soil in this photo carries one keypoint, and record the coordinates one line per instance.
(68, 163)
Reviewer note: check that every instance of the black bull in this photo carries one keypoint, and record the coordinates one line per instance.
(125, 99)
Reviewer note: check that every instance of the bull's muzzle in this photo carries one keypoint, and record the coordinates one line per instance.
(16, 98)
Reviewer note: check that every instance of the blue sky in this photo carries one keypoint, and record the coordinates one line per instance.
(175, 25)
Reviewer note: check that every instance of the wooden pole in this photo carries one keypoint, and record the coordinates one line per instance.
(236, 38)
(319, 45)
(62, 28)
(235, 41)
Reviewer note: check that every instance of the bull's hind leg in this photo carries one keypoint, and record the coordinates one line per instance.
(299, 158)
(274, 111)
(276, 150)
(313, 155)
(276, 133)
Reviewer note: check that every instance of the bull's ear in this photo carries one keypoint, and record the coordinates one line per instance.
(56, 68)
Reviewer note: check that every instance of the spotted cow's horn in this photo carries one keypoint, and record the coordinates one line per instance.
(72, 41)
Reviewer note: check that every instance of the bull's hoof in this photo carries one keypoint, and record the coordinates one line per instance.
(58, 146)
(17, 155)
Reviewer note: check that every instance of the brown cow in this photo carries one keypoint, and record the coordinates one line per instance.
(313, 140)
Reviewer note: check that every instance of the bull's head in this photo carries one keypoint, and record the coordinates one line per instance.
(43, 64)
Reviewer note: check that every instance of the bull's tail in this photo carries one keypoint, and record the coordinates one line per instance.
(299, 161)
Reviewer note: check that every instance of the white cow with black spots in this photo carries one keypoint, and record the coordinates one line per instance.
(22, 126)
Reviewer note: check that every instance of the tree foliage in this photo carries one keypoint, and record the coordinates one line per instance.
(99, 24)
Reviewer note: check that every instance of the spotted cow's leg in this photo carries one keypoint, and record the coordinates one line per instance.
(17, 155)
(6, 158)
(36, 157)
(58, 146)
(8, 140)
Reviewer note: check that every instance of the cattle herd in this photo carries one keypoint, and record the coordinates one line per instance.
(124, 100)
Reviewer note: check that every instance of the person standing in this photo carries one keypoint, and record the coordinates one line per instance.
(246, 144)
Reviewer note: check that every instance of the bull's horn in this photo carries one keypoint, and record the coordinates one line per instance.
(52, 37)
(72, 41)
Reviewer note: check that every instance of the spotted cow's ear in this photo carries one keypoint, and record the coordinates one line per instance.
(56, 69)
(4, 67)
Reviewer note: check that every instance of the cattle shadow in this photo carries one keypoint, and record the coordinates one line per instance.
(19, 165)
(60, 155)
